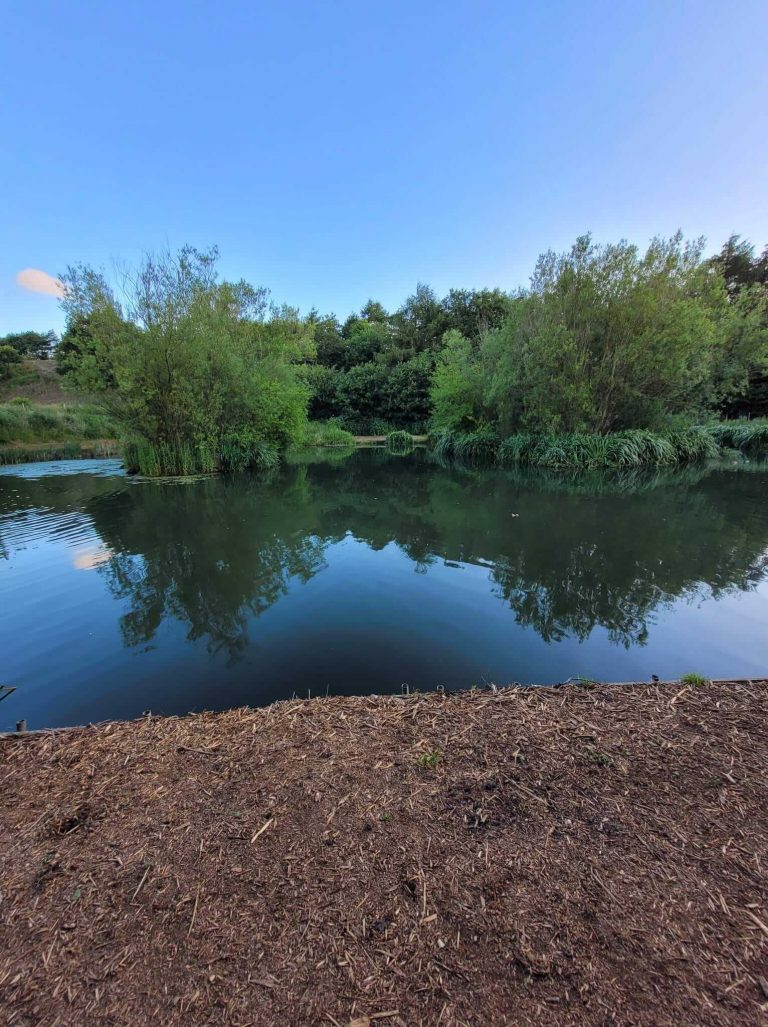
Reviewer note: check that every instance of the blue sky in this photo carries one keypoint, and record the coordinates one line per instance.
(340, 150)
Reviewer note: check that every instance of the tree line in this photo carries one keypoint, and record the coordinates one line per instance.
(18, 346)
(605, 338)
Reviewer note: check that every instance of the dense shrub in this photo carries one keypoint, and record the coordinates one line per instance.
(204, 368)
(606, 338)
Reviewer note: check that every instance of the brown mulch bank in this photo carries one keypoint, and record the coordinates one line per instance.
(548, 856)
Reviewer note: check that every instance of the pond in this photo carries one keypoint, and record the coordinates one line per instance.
(363, 572)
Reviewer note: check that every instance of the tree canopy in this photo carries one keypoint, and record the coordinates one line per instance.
(604, 338)
(39, 345)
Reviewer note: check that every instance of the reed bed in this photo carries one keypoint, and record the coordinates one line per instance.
(632, 448)
(400, 442)
(163, 459)
(744, 435)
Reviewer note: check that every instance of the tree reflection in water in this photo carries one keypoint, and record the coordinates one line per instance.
(584, 551)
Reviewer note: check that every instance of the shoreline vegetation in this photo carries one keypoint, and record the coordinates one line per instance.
(623, 449)
(394, 860)
(613, 356)
(33, 432)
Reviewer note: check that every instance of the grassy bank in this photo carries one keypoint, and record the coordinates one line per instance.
(25, 422)
(522, 856)
(54, 431)
(31, 452)
(624, 449)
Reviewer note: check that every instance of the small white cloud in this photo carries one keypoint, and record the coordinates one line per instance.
(34, 280)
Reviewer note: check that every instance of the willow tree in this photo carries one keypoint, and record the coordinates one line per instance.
(606, 337)
(197, 364)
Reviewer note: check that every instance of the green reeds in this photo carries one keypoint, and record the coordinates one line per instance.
(624, 449)
(637, 447)
(165, 459)
(746, 436)
(470, 447)
(399, 442)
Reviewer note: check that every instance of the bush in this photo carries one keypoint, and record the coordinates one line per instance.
(205, 369)
(606, 338)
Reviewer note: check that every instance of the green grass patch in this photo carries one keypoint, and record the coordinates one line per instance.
(23, 421)
(326, 433)
(429, 760)
(743, 435)
(470, 447)
(694, 679)
(625, 449)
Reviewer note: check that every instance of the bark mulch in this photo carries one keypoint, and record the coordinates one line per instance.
(542, 856)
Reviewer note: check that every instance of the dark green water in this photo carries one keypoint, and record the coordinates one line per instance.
(358, 573)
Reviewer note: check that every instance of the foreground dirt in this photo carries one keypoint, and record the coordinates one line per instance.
(551, 856)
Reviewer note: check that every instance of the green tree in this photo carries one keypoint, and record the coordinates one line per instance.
(744, 365)
(407, 393)
(39, 345)
(605, 338)
(197, 362)
(84, 363)
(421, 322)
(474, 312)
(322, 383)
(9, 356)
(329, 342)
(362, 396)
(458, 386)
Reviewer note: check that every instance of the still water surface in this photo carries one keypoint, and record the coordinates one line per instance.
(358, 573)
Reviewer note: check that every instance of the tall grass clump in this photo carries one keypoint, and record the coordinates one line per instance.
(164, 459)
(238, 453)
(32, 453)
(746, 436)
(326, 433)
(480, 446)
(399, 442)
(635, 447)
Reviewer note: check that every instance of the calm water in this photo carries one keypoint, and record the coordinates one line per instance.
(358, 573)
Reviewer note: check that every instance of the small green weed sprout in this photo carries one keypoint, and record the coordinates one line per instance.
(430, 759)
(694, 679)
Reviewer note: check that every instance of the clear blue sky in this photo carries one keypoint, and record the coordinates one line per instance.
(340, 150)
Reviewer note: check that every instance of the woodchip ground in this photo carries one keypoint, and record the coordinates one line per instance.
(527, 856)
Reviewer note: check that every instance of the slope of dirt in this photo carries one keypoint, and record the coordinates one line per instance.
(37, 380)
(548, 856)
